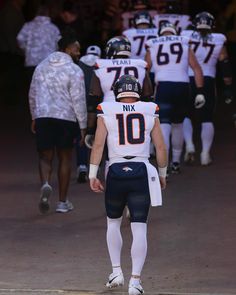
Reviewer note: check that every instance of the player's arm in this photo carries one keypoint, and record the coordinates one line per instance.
(198, 75)
(94, 98)
(148, 59)
(96, 155)
(199, 80)
(95, 93)
(147, 90)
(161, 152)
(224, 64)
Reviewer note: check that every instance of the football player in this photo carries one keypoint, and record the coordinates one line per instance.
(137, 5)
(143, 30)
(117, 63)
(128, 125)
(172, 14)
(170, 56)
(209, 49)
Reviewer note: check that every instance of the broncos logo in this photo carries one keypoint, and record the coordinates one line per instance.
(126, 169)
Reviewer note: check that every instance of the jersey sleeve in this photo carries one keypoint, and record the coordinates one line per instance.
(151, 109)
(186, 33)
(185, 40)
(156, 112)
(100, 112)
(148, 44)
(101, 63)
(125, 33)
(222, 38)
(140, 63)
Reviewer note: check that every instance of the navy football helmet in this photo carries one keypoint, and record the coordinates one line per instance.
(127, 86)
(118, 47)
(204, 21)
(143, 17)
(167, 27)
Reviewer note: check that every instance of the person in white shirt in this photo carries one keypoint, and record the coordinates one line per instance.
(170, 56)
(38, 38)
(57, 101)
(209, 49)
(128, 125)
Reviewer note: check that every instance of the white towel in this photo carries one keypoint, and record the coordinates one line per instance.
(154, 185)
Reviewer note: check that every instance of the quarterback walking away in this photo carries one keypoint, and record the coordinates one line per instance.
(128, 125)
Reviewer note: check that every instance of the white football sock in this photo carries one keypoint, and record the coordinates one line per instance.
(134, 281)
(139, 246)
(188, 135)
(166, 130)
(114, 242)
(177, 140)
(207, 135)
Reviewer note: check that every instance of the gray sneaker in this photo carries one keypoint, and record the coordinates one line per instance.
(46, 191)
(63, 207)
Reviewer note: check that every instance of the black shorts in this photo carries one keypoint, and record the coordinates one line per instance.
(51, 133)
(173, 99)
(204, 114)
(127, 184)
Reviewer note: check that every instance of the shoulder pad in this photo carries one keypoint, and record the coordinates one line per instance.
(101, 63)
(219, 37)
(139, 62)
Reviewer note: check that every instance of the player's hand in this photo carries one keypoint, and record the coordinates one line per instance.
(199, 101)
(96, 185)
(228, 94)
(33, 126)
(162, 182)
(89, 139)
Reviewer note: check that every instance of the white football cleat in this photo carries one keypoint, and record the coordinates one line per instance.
(205, 159)
(135, 289)
(115, 280)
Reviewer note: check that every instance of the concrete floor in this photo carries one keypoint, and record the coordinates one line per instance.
(192, 238)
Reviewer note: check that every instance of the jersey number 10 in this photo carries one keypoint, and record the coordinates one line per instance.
(126, 128)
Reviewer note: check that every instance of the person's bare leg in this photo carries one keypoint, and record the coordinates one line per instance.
(45, 172)
(45, 165)
(64, 172)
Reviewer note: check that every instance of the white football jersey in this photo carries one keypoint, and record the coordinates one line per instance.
(206, 51)
(109, 70)
(138, 38)
(129, 126)
(180, 21)
(169, 55)
(128, 17)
